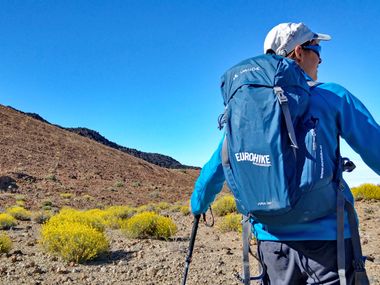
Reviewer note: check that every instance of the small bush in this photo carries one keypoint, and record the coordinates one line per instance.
(73, 241)
(66, 195)
(41, 217)
(121, 212)
(20, 197)
(5, 243)
(51, 177)
(88, 197)
(47, 203)
(185, 210)
(162, 206)
(112, 217)
(119, 184)
(175, 208)
(150, 225)
(7, 221)
(19, 213)
(20, 203)
(231, 223)
(224, 205)
(91, 218)
(147, 208)
(366, 191)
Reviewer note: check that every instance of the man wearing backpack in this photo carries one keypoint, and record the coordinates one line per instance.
(303, 252)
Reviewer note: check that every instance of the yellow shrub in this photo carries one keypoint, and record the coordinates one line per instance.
(150, 225)
(5, 243)
(147, 208)
(41, 217)
(66, 195)
(20, 203)
(122, 212)
(116, 215)
(231, 223)
(19, 213)
(366, 191)
(175, 208)
(7, 221)
(73, 241)
(224, 205)
(163, 206)
(185, 210)
(91, 218)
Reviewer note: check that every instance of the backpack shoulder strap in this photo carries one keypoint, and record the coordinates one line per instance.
(361, 277)
(247, 236)
(283, 100)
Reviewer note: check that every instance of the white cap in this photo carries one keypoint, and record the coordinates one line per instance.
(283, 38)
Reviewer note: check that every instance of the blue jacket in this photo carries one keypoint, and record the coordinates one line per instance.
(340, 114)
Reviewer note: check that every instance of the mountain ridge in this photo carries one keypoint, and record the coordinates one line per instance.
(155, 158)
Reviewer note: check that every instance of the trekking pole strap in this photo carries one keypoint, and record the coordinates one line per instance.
(210, 225)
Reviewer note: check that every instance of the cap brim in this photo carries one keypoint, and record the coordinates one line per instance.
(322, 37)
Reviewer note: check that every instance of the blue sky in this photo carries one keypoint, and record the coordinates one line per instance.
(145, 74)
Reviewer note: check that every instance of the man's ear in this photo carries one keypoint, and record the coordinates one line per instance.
(298, 52)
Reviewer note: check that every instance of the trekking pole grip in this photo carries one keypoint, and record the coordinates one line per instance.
(191, 247)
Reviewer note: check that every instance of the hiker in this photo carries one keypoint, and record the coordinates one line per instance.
(305, 252)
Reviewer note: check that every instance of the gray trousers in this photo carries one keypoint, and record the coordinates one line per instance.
(304, 262)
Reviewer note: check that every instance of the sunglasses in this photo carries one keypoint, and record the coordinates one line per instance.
(315, 48)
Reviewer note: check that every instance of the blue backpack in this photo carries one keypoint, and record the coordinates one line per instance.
(269, 151)
(270, 155)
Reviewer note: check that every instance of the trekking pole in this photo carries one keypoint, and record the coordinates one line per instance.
(191, 247)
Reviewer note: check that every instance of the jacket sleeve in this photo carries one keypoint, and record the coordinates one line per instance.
(208, 184)
(358, 127)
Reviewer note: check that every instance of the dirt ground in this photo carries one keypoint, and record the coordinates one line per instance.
(216, 258)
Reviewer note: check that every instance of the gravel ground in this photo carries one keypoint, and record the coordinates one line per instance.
(216, 257)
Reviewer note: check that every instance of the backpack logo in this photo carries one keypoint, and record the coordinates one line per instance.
(249, 69)
(255, 158)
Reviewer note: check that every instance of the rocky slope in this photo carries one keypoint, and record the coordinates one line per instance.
(45, 162)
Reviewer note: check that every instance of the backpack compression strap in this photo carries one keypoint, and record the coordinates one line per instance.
(288, 120)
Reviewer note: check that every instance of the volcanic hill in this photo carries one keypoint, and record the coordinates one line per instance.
(51, 165)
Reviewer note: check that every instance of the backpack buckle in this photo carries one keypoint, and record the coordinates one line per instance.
(280, 94)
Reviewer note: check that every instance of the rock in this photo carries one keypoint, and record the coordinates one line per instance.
(122, 263)
(7, 183)
(75, 270)
(38, 270)
(61, 270)
(140, 254)
(18, 252)
(152, 271)
(30, 264)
